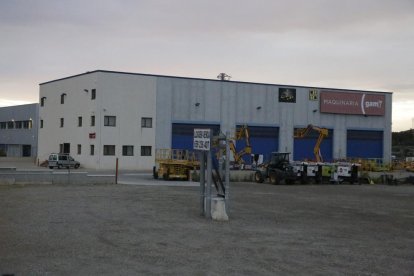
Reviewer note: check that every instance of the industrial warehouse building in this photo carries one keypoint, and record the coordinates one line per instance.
(18, 130)
(99, 116)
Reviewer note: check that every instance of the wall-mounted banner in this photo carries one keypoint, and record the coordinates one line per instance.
(287, 95)
(352, 103)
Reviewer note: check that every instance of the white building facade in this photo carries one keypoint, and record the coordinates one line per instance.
(103, 115)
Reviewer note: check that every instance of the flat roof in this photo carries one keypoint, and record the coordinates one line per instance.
(202, 79)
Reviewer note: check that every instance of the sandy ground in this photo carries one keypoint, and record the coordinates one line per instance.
(157, 229)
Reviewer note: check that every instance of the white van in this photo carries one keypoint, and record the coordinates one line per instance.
(62, 160)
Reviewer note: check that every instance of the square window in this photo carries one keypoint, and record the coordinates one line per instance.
(145, 150)
(3, 125)
(41, 123)
(110, 121)
(128, 150)
(93, 94)
(10, 124)
(146, 122)
(79, 121)
(79, 149)
(92, 120)
(92, 148)
(27, 124)
(109, 150)
(19, 124)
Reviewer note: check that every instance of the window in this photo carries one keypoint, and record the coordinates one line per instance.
(3, 125)
(92, 120)
(79, 121)
(79, 149)
(62, 98)
(109, 120)
(10, 124)
(62, 122)
(146, 122)
(42, 101)
(109, 150)
(145, 150)
(27, 124)
(41, 123)
(92, 148)
(19, 124)
(128, 150)
(93, 94)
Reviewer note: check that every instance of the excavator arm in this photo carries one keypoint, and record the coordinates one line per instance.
(243, 132)
(323, 132)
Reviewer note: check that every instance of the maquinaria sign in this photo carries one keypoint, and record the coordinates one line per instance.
(352, 103)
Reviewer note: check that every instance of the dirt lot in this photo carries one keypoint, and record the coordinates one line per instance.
(141, 230)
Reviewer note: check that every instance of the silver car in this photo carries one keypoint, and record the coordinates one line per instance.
(62, 160)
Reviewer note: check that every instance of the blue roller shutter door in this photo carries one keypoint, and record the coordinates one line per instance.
(182, 134)
(303, 147)
(364, 144)
(263, 140)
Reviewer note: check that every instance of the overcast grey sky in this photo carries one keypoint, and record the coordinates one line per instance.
(354, 44)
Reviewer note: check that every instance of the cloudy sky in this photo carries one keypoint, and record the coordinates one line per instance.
(354, 44)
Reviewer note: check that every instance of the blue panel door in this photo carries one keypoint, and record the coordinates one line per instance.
(263, 141)
(182, 134)
(364, 144)
(303, 147)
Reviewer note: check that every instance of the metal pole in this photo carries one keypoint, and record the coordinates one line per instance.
(116, 171)
(209, 181)
(227, 172)
(68, 169)
(202, 182)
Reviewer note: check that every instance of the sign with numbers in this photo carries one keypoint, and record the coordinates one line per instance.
(201, 139)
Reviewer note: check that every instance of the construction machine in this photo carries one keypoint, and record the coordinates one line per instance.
(277, 169)
(323, 132)
(242, 132)
(174, 164)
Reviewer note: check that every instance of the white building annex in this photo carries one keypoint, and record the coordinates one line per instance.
(99, 116)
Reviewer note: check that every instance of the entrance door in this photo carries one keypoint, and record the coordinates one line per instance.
(27, 150)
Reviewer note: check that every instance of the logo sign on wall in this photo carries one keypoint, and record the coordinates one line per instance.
(313, 95)
(352, 103)
(287, 95)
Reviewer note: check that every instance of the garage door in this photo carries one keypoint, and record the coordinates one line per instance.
(182, 134)
(364, 144)
(263, 141)
(303, 147)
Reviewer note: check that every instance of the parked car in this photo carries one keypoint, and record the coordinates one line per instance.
(62, 160)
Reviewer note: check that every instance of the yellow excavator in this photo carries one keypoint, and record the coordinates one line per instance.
(323, 132)
(242, 132)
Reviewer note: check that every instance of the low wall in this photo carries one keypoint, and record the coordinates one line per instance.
(235, 176)
(78, 178)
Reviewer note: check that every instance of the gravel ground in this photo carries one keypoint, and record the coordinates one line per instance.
(147, 230)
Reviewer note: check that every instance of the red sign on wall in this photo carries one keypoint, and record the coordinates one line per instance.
(92, 135)
(352, 103)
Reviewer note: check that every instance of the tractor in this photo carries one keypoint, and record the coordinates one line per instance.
(278, 169)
